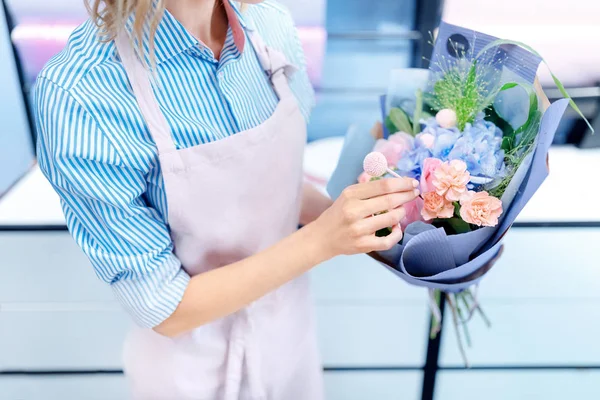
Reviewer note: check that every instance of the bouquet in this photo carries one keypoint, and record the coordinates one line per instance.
(474, 130)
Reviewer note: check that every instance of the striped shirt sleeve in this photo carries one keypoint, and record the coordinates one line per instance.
(102, 198)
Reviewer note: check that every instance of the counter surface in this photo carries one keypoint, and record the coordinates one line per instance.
(33, 202)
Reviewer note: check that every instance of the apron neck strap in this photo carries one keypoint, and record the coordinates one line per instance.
(139, 78)
(274, 63)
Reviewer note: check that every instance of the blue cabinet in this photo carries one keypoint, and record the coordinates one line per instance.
(518, 385)
(543, 300)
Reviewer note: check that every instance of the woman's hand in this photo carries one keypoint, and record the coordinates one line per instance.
(349, 225)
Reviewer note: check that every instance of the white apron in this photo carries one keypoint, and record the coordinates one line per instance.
(227, 200)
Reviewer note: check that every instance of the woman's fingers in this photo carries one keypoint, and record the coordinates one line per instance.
(386, 202)
(380, 187)
(389, 219)
(387, 242)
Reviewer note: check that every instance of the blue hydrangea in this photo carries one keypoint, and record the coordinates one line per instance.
(411, 163)
(479, 146)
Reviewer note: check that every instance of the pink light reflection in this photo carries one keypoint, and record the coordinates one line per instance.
(38, 41)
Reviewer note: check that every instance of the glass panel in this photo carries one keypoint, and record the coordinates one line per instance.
(363, 64)
(335, 112)
(518, 385)
(361, 15)
(16, 149)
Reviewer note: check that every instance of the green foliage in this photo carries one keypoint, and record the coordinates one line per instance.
(398, 121)
(461, 90)
(509, 85)
(452, 226)
(519, 143)
(507, 130)
(390, 125)
(557, 81)
(459, 225)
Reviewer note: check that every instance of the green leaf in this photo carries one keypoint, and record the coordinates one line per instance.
(418, 112)
(457, 208)
(557, 82)
(507, 143)
(533, 103)
(563, 91)
(400, 120)
(390, 125)
(459, 225)
(529, 129)
(508, 85)
(508, 132)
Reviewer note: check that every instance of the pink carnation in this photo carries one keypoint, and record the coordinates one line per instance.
(479, 208)
(390, 150)
(394, 148)
(450, 179)
(404, 139)
(413, 212)
(427, 174)
(436, 206)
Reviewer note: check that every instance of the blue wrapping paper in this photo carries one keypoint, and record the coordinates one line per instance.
(516, 63)
(357, 145)
(427, 256)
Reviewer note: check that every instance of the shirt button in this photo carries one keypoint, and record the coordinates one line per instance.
(221, 75)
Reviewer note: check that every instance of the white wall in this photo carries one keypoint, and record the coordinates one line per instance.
(48, 9)
(566, 34)
(306, 12)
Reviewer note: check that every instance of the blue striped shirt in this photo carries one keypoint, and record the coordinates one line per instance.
(95, 149)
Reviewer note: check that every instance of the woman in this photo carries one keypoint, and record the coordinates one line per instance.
(174, 139)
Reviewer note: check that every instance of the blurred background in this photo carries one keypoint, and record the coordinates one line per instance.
(61, 333)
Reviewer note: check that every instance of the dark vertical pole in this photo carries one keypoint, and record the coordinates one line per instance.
(427, 17)
(10, 22)
(432, 361)
(588, 139)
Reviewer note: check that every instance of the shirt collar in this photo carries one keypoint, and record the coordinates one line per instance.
(172, 38)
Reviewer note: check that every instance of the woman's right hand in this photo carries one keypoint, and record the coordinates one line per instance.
(349, 225)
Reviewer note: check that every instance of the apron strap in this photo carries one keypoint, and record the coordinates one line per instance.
(275, 65)
(139, 78)
(272, 61)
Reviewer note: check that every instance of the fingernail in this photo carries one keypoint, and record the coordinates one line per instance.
(417, 192)
(415, 183)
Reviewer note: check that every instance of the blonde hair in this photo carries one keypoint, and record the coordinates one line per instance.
(110, 16)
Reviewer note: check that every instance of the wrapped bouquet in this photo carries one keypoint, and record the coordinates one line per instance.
(474, 130)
